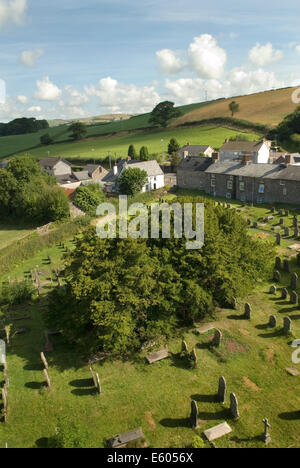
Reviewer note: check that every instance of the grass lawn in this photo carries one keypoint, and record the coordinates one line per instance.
(157, 142)
(10, 232)
(157, 398)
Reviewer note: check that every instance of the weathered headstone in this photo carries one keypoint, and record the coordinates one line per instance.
(294, 297)
(217, 431)
(286, 212)
(99, 389)
(44, 360)
(248, 311)
(194, 357)
(296, 232)
(47, 378)
(222, 390)
(280, 212)
(286, 265)
(217, 338)
(287, 325)
(184, 347)
(273, 290)
(266, 436)
(278, 263)
(281, 221)
(294, 281)
(273, 209)
(194, 415)
(93, 377)
(277, 276)
(272, 322)
(287, 232)
(278, 238)
(284, 293)
(234, 406)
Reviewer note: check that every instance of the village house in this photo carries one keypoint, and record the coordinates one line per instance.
(242, 180)
(259, 151)
(195, 150)
(156, 178)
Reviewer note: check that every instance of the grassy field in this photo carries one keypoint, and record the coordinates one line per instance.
(11, 232)
(156, 141)
(157, 398)
(269, 108)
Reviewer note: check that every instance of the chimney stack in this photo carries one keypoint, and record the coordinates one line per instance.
(287, 159)
(185, 154)
(115, 169)
(246, 159)
(215, 157)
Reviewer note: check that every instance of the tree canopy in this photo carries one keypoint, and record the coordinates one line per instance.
(122, 293)
(163, 113)
(174, 146)
(132, 152)
(78, 130)
(289, 127)
(131, 181)
(22, 126)
(144, 154)
(88, 197)
(234, 107)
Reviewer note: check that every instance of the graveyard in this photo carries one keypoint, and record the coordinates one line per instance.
(174, 396)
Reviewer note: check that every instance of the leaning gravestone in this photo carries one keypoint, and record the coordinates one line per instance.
(278, 263)
(234, 406)
(194, 357)
(222, 390)
(287, 325)
(266, 435)
(294, 281)
(272, 322)
(286, 266)
(273, 290)
(277, 276)
(159, 356)
(295, 221)
(99, 389)
(278, 239)
(248, 311)
(194, 415)
(93, 377)
(284, 293)
(47, 379)
(217, 338)
(44, 360)
(294, 297)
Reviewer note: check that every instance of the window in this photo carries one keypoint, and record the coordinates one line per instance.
(284, 191)
(229, 184)
(228, 195)
(242, 186)
(282, 182)
(261, 188)
(213, 182)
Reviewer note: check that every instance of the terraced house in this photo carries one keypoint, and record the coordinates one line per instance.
(245, 181)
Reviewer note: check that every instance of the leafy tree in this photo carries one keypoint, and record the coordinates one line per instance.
(132, 152)
(288, 127)
(174, 146)
(46, 139)
(132, 181)
(22, 126)
(163, 113)
(175, 160)
(78, 130)
(144, 154)
(234, 107)
(88, 197)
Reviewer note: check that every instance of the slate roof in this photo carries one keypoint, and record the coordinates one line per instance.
(262, 171)
(250, 146)
(194, 150)
(194, 163)
(51, 162)
(82, 175)
(65, 179)
(152, 168)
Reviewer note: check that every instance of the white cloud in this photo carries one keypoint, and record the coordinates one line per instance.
(47, 91)
(75, 97)
(298, 49)
(119, 97)
(22, 99)
(30, 57)
(35, 109)
(12, 12)
(207, 59)
(264, 54)
(186, 90)
(169, 61)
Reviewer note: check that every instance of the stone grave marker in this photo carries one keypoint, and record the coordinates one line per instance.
(44, 360)
(234, 406)
(273, 290)
(278, 238)
(286, 265)
(284, 293)
(277, 276)
(159, 356)
(294, 281)
(99, 389)
(194, 415)
(194, 357)
(47, 378)
(184, 347)
(281, 221)
(122, 440)
(222, 390)
(294, 297)
(278, 263)
(296, 232)
(272, 322)
(217, 339)
(266, 436)
(248, 311)
(217, 432)
(287, 325)
(287, 232)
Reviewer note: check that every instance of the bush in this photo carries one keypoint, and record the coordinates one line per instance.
(16, 293)
(198, 443)
(88, 197)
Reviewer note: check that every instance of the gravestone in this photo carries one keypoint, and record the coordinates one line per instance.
(255, 224)
(218, 431)
(194, 415)
(273, 290)
(222, 390)
(184, 347)
(287, 232)
(280, 212)
(248, 311)
(277, 276)
(287, 213)
(44, 360)
(284, 293)
(234, 406)
(281, 221)
(294, 281)
(249, 222)
(278, 238)
(273, 209)
(159, 356)
(217, 338)
(266, 436)
(98, 386)
(121, 440)
(47, 378)
(278, 263)
(294, 297)
(272, 322)
(296, 232)
(287, 325)
(295, 221)
(194, 357)
(93, 377)
(286, 266)
(205, 329)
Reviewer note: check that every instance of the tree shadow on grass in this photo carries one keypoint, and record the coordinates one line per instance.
(82, 383)
(293, 416)
(36, 385)
(84, 391)
(183, 422)
(205, 398)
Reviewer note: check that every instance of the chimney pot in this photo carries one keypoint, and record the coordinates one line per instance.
(115, 169)
(246, 159)
(287, 159)
(215, 157)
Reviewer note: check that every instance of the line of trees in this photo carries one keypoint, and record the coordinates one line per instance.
(22, 126)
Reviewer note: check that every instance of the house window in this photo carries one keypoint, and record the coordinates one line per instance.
(284, 191)
(242, 186)
(261, 188)
(228, 195)
(213, 182)
(229, 184)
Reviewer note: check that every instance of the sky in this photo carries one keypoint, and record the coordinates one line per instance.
(72, 58)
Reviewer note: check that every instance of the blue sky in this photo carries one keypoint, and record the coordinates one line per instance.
(71, 58)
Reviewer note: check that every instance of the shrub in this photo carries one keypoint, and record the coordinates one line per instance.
(198, 443)
(16, 293)
(88, 197)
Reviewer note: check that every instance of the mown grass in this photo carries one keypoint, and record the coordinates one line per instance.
(11, 232)
(156, 141)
